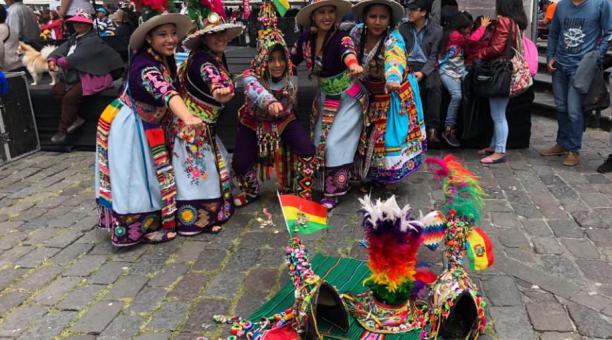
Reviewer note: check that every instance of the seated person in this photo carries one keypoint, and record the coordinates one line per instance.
(85, 65)
(9, 42)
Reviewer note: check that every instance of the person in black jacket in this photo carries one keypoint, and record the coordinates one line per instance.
(423, 37)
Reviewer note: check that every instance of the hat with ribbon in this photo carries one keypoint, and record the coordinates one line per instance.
(304, 15)
(81, 16)
(209, 16)
(157, 13)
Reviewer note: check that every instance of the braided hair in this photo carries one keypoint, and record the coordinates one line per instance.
(364, 35)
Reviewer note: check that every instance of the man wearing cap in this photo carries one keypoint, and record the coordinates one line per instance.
(103, 24)
(422, 37)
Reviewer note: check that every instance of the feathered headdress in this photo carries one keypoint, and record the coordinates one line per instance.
(393, 239)
(151, 8)
(209, 16)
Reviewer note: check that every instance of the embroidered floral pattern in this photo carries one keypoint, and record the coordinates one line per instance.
(156, 84)
(217, 77)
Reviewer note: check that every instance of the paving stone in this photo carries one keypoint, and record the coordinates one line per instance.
(597, 270)
(581, 248)
(64, 239)
(559, 336)
(168, 275)
(199, 319)
(109, 272)
(36, 257)
(15, 254)
(80, 297)
(98, 317)
(589, 322)
(189, 251)
(39, 278)
(588, 219)
(560, 266)
(9, 275)
(148, 299)
(127, 287)
(169, 315)
(565, 228)
(525, 256)
(11, 239)
(12, 299)
(50, 325)
(189, 287)
(601, 237)
(511, 323)
(536, 228)
(549, 316)
(71, 252)
(53, 293)
(153, 336)
(505, 220)
(17, 321)
(86, 265)
(209, 260)
(122, 327)
(502, 291)
(257, 286)
(546, 245)
(513, 239)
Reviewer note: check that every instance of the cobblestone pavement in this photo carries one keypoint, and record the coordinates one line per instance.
(60, 277)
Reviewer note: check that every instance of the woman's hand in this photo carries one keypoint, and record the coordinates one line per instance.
(356, 70)
(223, 95)
(393, 86)
(193, 121)
(275, 109)
(52, 66)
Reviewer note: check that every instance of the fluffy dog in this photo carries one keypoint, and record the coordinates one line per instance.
(36, 62)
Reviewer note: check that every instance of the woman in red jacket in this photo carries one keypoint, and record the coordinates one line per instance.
(511, 21)
(55, 25)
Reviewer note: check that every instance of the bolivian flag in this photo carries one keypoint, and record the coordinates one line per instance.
(282, 6)
(309, 216)
(479, 249)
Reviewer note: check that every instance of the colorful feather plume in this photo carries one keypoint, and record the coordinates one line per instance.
(151, 8)
(394, 238)
(461, 187)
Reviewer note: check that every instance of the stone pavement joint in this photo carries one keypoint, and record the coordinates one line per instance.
(59, 276)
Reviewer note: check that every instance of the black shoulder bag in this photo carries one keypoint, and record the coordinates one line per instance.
(492, 78)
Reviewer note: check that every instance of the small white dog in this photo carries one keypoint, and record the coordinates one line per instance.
(36, 62)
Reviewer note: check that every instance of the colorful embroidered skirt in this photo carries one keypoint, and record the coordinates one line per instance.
(203, 183)
(123, 158)
(397, 140)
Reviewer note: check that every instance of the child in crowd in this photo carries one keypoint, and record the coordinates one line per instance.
(452, 66)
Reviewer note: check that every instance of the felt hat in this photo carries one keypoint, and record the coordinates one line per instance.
(81, 16)
(209, 19)
(182, 23)
(303, 16)
(397, 10)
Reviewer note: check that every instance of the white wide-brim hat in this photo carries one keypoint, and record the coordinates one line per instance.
(397, 10)
(193, 40)
(181, 21)
(303, 16)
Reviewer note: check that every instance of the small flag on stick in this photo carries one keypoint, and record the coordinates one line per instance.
(303, 216)
(282, 6)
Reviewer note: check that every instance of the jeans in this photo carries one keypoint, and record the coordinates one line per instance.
(570, 116)
(498, 114)
(453, 86)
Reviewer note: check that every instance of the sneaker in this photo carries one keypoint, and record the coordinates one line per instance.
(76, 125)
(59, 138)
(606, 166)
(432, 136)
(556, 150)
(450, 136)
(571, 159)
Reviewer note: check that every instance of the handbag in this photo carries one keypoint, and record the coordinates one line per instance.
(530, 51)
(521, 75)
(493, 78)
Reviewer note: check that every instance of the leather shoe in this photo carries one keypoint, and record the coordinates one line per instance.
(556, 150)
(76, 125)
(571, 159)
(606, 166)
(59, 138)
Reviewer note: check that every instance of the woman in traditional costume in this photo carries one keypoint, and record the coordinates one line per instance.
(338, 109)
(394, 123)
(203, 178)
(268, 133)
(135, 184)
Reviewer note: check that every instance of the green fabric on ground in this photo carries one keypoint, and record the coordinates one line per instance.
(347, 276)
